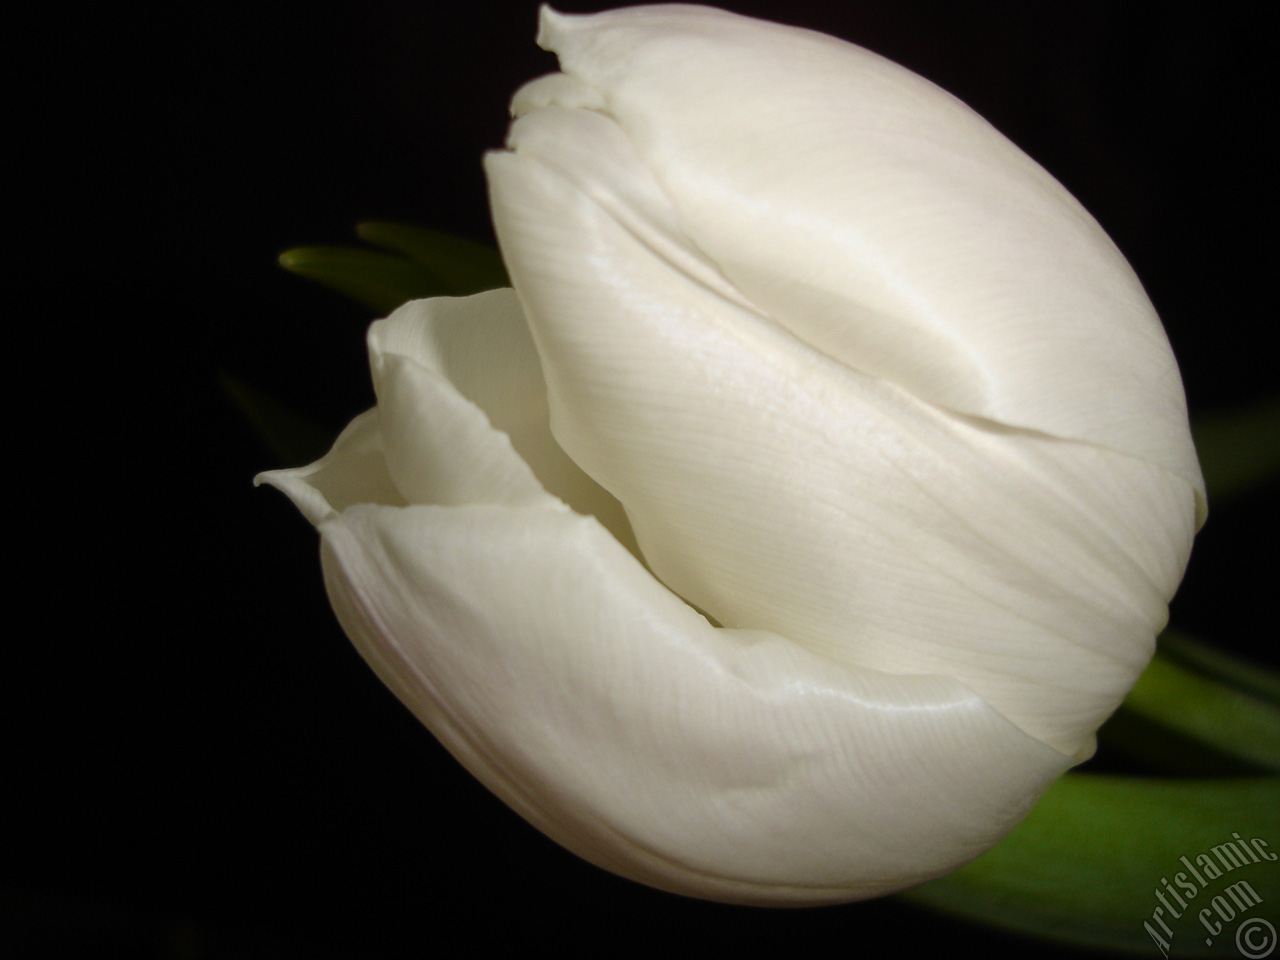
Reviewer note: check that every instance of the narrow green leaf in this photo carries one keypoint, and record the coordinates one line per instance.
(1179, 720)
(379, 280)
(1243, 675)
(1209, 711)
(1159, 751)
(466, 267)
(1086, 866)
(293, 438)
(1239, 451)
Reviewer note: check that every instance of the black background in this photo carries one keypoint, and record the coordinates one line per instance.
(202, 765)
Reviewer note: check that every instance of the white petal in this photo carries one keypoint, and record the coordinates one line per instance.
(880, 220)
(464, 408)
(777, 488)
(441, 446)
(725, 764)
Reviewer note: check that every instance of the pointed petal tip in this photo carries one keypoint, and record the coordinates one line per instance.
(550, 21)
(294, 484)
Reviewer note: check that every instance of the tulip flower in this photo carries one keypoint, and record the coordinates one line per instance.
(813, 497)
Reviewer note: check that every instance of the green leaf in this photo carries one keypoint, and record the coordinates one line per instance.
(1180, 720)
(293, 438)
(1245, 676)
(379, 280)
(1085, 866)
(1239, 451)
(464, 266)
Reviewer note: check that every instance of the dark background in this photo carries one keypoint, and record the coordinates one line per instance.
(202, 765)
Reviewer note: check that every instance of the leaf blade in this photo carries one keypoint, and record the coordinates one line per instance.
(465, 266)
(378, 280)
(1240, 450)
(292, 437)
(1084, 866)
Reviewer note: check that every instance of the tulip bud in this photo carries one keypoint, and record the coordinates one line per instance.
(813, 498)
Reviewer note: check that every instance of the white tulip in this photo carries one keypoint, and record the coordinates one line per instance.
(800, 342)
